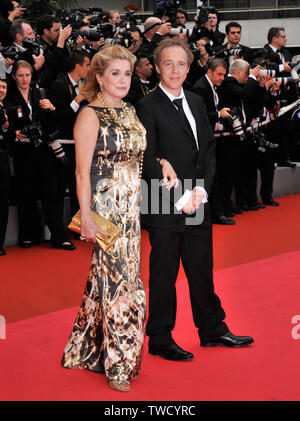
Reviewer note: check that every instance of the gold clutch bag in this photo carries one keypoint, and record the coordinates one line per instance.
(105, 242)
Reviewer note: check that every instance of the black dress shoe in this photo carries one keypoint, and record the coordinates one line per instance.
(239, 210)
(171, 352)
(26, 244)
(287, 163)
(270, 202)
(67, 246)
(223, 220)
(260, 206)
(2, 252)
(229, 339)
(253, 207)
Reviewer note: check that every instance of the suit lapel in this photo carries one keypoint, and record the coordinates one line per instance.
(172, 112)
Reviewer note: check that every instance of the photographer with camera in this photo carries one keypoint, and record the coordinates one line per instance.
(52, 38)
(239, 91)
(232, 49)
(154, 31)
(9, 11)
(207, 87)
(87, 40)
(23, 46)
(288, 92)
(35, 164)
(4, 166)
(201, 59)
(207, 25)
(65, 96)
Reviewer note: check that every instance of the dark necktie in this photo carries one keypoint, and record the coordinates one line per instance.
(178, 104)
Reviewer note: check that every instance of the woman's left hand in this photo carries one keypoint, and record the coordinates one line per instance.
(45, 104)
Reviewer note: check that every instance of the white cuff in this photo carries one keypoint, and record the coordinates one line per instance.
(202, 190)
(180, 204)
(75, 106)
(281, 68)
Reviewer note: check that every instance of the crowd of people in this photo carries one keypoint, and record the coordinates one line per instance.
(42, 69)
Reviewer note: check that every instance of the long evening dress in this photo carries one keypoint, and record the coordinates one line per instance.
(108, 334)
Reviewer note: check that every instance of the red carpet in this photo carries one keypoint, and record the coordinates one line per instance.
(261, 298)
(256, 275)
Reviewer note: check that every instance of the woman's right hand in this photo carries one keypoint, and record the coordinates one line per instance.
(89, 230)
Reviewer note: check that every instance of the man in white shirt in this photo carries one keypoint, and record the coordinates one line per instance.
(179, 135)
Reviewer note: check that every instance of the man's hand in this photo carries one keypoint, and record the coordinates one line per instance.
(169, 175)
(64, 35)
(16, 13)
(286, 66)
(195, 199)
(255, 71)
(225, 113)
(38, 60)
(79, 98)
(45, 104)
(165, 28)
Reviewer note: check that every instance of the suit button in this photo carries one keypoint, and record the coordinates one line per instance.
(197, 166)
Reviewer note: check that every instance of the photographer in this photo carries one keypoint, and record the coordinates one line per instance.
(20, 31)
(207, 25)
(238, 90)
(34, 163)
(67, 99)
(4, 166)
(232, 49)
(52, 38)
(83, 42)
(201, 60)
(288, 93)
(9, 11)
(154, 32)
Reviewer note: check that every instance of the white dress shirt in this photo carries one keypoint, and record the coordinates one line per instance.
(184, 199)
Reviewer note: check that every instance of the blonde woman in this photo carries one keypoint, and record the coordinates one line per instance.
(108, 334)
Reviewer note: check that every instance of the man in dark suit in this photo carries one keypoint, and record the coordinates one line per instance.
(233, 32)
(206, 87)
(139, 82)
(180, 144)
(276, 44)
(65, 96)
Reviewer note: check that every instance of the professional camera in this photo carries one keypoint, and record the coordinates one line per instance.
(259, 139)
(235, 123)
(180, 30)
(31, 46)
(203, 13)
(91, 35)
(10, 52)
(223, 51)
(169, 8)
(124, 39)
(34, 132)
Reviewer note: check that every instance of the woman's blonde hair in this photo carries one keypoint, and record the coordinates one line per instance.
(21, 63)
(99, 64)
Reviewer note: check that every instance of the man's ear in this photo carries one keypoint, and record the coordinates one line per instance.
(157, 69)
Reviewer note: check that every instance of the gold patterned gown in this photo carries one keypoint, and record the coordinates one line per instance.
(108, 334)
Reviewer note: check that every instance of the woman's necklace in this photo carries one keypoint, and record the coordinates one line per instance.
(126, 119)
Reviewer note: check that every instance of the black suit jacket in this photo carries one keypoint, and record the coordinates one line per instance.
(203, 88)
(286, 54)
(168, 137)
(61, 94)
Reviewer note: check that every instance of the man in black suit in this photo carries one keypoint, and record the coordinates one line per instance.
(233, 32)
(276, 44)
(139, 82)
(181, 146)
(65, 96)
(239, 90)
(206, 87)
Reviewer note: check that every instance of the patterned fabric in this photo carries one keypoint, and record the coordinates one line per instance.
(108, 334)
